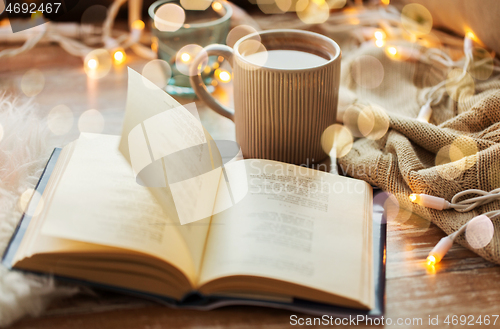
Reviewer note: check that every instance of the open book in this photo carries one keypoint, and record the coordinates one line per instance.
(277, 233)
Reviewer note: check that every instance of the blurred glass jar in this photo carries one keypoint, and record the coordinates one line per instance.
(200, 27)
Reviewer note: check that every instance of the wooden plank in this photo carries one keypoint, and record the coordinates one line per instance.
(462, 284)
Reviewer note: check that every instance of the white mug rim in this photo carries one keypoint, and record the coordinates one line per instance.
(336, 56)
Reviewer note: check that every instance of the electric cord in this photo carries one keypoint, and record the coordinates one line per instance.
(459, 204)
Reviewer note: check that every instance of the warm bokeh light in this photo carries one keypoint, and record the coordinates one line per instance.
(413, 198)
(392, 51)
(445, 167)
(416, 19)
(222, 76)
(337, 137)
(169, 17)
(463, 152)
(483, 64)
(154, 44)
(196, 4)
(239, 32)
(367, 71)
(391, 207)
(284, 5)
(91, 121)
(216, 6)
(312, 11)
(92, 64)
(185, 57)
(431, 260)
(479, 232)
(460, 85)
(373, 122)
(138, 25)
(379, 43)
(386, 2)
(60, 120)
(379, 35)
(254, 52)
(32, 82)
(119, 56)
(97, 63)
(471, 35)
(157, 72)
(31, 196)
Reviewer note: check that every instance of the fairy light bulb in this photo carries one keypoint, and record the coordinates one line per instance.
(216, 6)
(225, 76)
(136, 30)
(379, 38)
(429, 201)
(222, 76)
(379, 35)
(119, 56)
(439, 251)
(92, 64)
(425, 113)
(431, 260)
(138, 25)
(392, 51)
(185, 57)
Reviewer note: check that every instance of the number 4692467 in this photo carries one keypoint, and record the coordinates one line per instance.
(471, 320)
(31, 8)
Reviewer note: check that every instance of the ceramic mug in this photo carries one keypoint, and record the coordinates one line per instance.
(286, 86)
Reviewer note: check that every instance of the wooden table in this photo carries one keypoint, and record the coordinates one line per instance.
(463, 284)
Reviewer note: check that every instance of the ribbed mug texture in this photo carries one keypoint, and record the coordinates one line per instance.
(281, 114)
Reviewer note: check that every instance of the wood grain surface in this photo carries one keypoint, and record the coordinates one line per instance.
(462, 284)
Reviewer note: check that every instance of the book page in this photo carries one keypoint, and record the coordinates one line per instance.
(98, 201)
(170, 153)
(297, 225)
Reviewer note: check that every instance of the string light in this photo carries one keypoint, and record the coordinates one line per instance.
(439, 251)
(225, 76)
(392, 51)
(138, 25)
(216, 6)
(119, 56)
(185, 57)
(92, 64)
(222, 75)
(430, 201)
(425, 113)
(464, 205)
(66, 35)
(379, 35)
